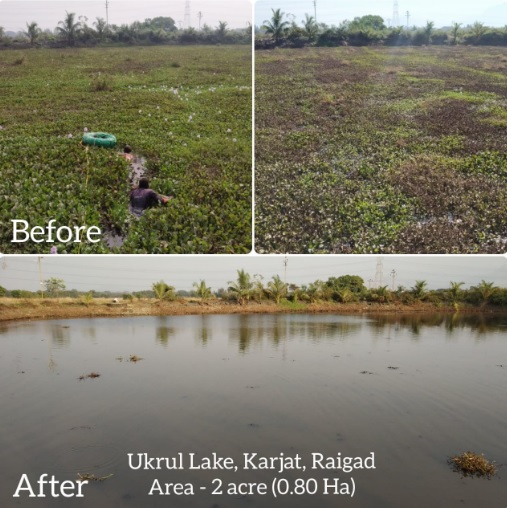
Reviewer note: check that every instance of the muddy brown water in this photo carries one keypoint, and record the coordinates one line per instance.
(412, 390)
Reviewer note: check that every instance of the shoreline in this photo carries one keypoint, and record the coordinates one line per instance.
(12, 309)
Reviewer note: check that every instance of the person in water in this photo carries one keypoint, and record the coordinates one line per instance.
(127, 153)
(142, 198)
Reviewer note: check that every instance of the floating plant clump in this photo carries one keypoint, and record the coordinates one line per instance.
(473, 464)
(91, 375)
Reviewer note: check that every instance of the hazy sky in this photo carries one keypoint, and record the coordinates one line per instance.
(14, 14)
(134, 273)
(443, 13)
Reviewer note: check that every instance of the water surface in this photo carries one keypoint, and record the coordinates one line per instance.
(414, 390)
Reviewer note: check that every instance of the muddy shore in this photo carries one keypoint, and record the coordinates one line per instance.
(67, 308)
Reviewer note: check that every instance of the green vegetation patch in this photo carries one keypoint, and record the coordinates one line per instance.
(191, 122)
(380, 150)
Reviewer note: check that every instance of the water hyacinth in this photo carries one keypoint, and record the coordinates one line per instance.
(400, 165)
(211, 213)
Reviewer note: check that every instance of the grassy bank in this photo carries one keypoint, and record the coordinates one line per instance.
(66, 308)
(381, 150)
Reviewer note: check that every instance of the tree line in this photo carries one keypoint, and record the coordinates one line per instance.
(76, 30)
(371, 30)
(247, 289)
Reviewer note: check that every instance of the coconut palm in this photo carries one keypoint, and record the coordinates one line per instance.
(221, 30)
(32, 32)
(258, 288)
(275, 26)
(70, 28)
(241, 289)
(455, 33)
(276, 289)
(163, 291)
(202, 291)
(100, 27)
(310, 27)
(419, 290)
(455, 291)
(485, 290)
(428, 31)
(477, 31)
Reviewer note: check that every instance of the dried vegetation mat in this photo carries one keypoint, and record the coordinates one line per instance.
(473, 464)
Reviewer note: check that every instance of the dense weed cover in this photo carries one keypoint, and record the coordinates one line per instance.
(381, 150)
(186, 110)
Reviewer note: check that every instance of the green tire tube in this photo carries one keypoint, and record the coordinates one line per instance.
(99, 139)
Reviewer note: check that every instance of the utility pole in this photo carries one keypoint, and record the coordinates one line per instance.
(393, 275)
(315, 10)
(408, 17)
(39, 260)
(199, 15)
(285, 263)
(107, 13)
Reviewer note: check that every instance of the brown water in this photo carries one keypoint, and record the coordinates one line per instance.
(413, 391)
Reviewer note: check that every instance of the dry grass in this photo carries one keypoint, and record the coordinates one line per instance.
(473, 464)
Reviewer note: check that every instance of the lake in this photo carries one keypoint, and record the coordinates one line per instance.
(399, 394)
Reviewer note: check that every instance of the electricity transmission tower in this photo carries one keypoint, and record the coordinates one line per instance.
(379, 273)
(107, 13)
(199, 15)
(408, 17)
(396, 14)
(186, 18)
(315, 10)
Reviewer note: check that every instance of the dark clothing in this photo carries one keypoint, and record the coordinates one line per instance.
(141, 199)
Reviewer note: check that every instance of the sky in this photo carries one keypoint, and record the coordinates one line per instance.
(14, 14)
(136, 273)
(442, 13)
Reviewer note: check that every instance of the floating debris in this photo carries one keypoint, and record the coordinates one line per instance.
(91, 375)
(393, 368)
(91, 477)
(473, 464)
(366, 372)
(134, 358)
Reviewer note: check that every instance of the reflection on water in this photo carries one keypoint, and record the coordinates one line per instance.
(414, 389)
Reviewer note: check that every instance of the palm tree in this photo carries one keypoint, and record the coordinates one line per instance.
(202, 291)
(345, 295)
(100, 27)
(310, 27)
(241, 290)
(428, 31)
(275, 26)
(455, 292)
(478, 30)
(381, 294)
(276, 289)
(70, 28)
(486, 290)
(32, 32)
(419, 290)
(455, 33)
(163, 291)
(221, 30)
(258, 289)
